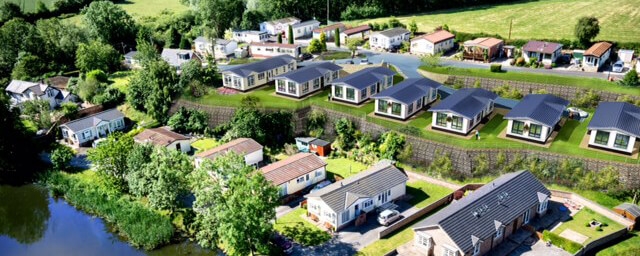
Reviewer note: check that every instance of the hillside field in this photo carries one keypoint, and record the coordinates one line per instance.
(30, 5)
(550, 19)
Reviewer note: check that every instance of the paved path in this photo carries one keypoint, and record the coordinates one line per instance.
(417, 176)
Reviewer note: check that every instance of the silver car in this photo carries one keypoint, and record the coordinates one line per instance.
(387, 217)
(618, 67)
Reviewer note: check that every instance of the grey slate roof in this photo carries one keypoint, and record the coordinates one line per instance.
(131, 54)
(467, 102)
(319, 142)
(92, 120)
(172, 56)
(409, 90)
(260, 66)
(18, 86)
(632, 209)
(305, 23)
(618, 116)
(546, 109)
(369, 183)
(365, 77)
(305, 139)
(394, 32)
(310, 72)
(219, 41)
(519, 191)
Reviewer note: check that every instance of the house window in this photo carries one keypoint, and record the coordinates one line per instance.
(448, 252)
(368, 203)
(410, 109)
(300, 179)
(535, 130)
(441, 119)
(318, 173)
(290, 66)
(602, 138)
(251, 80)
(389, 81)
(363, 93)
(476, 248)
(334, 75)
(622, 141)
(345, 216)
(307, 176)
(86, 134)
(281, 85)
(351, 94)
(517, 127)
(337, 91)
(227, 80)
(527, 216)
(424, 241)
(499, 232)
(382, 106)
(543, 206)
(316, 83)
(291, 87)
(456, 122)
(419, 103)
(261, 76)
(305, 87)
(373, 89)
(396, 109)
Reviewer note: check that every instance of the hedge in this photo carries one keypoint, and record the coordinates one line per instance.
(566, 244)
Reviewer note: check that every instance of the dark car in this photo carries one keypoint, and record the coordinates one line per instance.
(306, 56)
(283, 243)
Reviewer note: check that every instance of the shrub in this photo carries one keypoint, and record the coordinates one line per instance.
(61, 156)
(599, 229)
(496, 68)
(631, 79)
(354, 12)
(568, 245)
(520, 61)
(507, 92)
(588, 225)
(586, 99)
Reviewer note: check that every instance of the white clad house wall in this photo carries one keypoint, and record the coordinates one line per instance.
(302, 182)
(610, 142)
(527, 133)
(183, 145)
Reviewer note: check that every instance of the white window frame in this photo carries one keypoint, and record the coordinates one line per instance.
(526, 217)
(424, 241)
(543, 206)
(477, 248)
(448, 251)
(499, 232)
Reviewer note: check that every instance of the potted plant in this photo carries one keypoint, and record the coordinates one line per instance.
(449, 119)
(526, 127)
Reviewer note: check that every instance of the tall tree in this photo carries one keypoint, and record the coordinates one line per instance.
(9, 10)
(586, 29)
(38, 112)
(236, 208)
(290, 36)
(97, 55)
(60, 41)
(152, 89)
(413, 27)
(15, 146)
(17, 36)
(218, 15)
(323, 41)
(111, 24)
(146, 53)
(110, 158)
(28, 67)
(251, 19)
(336, 34)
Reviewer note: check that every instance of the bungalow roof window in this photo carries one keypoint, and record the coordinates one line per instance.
(183, 56)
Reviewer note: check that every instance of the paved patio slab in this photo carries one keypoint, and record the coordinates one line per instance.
(574, 236)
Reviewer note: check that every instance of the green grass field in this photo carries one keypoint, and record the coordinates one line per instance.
(544, 19)
(204, 144)
(139, 8)
(343, 167)
(629, 246)
(578, 221)
(425, 193)
(29, 5)
(292, 225)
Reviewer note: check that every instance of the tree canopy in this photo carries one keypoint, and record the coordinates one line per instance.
(152, 89)
(587, 29)
(109, 23)
(110, 158)
(97, 55)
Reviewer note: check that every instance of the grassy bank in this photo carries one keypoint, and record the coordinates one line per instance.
(617, 21)
(293, 225)
(585, 83)
(88, 191)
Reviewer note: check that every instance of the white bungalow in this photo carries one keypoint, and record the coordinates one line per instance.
(81, 132)
(329, 31)
(266, 50)
(615, 127)
(163, 137)
(307, 80)
(596, 56)
(278, 26)
(430, 44)
(535, 117)
(360, 86)
(303, 29)
(295, 173)
(23, 91)
(250, 36)
(406, 98)
(463, 110)
(222, 49)
(388, 39)
(249, 149)
(544, 52)
(253, 75)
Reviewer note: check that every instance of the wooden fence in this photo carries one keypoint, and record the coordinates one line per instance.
(587, 249)
(422, 212)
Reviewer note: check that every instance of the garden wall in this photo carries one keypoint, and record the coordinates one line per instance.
(567, 92)
(587, 249)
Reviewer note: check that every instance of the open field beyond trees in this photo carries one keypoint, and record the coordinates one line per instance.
(545, 19)
(30, 5)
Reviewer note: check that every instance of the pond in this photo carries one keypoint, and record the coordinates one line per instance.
(33, 223)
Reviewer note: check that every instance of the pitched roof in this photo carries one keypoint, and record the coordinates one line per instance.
(619, 116)
(484, 42)
(546, 109)
(250, 32)
(394, 32)
(475, 215)
(159, 136)
(632, 209)
(598, 49)
(305, 23)
(330, 27)
(310, 72)
(291, 46)
(319, 142)
(539, 46)
(284, 20)
(305, 139)
(365, 77)
(93, 120)
(131, 54)
(409, 90)
(261, 66)
(18, 86)
(369, 183)
(356, 30)
(219, 41)
(436, 37)
(177, 57)
(467, 102)
(241, 146)
(59, 82)
(292, 167)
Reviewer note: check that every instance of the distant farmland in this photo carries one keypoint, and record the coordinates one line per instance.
(551, 19)
(30, 5)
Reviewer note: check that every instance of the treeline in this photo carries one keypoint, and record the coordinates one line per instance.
(10, 10)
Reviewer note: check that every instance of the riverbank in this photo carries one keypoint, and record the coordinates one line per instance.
(141, 226)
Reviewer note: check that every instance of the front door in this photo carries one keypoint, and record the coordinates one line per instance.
(357, 210)
(283, 189)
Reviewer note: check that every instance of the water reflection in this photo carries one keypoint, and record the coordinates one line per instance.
(32, 223)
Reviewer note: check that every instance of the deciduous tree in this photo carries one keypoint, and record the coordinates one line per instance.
(218, 15)
(586, 29)
(61, 157)
(110, 158)
(110, 24)
(336, 35)
(97, 55)
(38, 112)
(323, 41)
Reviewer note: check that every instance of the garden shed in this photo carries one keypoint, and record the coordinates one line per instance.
(629, 211)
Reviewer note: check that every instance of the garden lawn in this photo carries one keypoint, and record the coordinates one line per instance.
(235, 61)
(120, 80)
(586, 83)
(577, 224)
(425, 193)
(618, 22)
(204, 144)
(292, 225)
(142, 119)
(343, 167)
(596, 196)
(338, 55)
(139, 8)
(630, 246)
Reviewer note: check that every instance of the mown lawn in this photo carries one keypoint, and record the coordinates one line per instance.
(596, 196)
(120, 80)
(140, 118)
(425, 193)
(338, 55)
(343, 167)
(578, 224)
(629, 246)
(30, 5)
(586, 83)
(139, 8)
(235, 61)
(618, 22)
(204, 144)
(293, 226)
